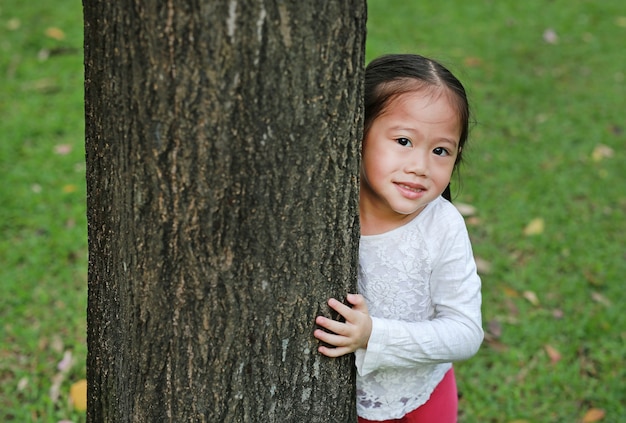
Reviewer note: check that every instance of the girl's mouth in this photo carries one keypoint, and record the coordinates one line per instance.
(412, 192)
(413, 188)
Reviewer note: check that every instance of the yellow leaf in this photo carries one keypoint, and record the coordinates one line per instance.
(534, 227)
(69, 188)
(55, 33)
(601, 152)
(531, 297)
(78, 395)
(13, 24)
(594, 415)
(510, 292)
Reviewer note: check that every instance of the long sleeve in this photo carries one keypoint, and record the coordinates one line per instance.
(452, 328)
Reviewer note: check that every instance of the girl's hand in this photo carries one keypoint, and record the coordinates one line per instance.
(349, 336)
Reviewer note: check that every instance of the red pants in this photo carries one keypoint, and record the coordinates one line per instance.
(441, 407)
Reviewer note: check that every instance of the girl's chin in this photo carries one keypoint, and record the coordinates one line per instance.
(409, 211)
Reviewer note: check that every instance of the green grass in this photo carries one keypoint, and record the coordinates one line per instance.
(541, 110)
(42, 213)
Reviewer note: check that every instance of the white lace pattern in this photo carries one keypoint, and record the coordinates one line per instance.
(409, 352)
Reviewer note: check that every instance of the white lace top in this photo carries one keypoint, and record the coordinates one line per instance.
(423, 294)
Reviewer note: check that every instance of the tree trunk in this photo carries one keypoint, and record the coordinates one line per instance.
(222, 145)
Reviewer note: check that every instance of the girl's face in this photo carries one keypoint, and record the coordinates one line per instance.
(408, 158)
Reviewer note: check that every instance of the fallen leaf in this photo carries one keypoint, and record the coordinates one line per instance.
(495, 328)
(78, 395)
(550, 36)
(482, 266)
(44, 85)
(534, 227)
(474, 221)
(57, 344)
(55, 33)
(473, 62)
(510, 292)
(465, 209)
(594, 415)
(67, 361)
(43, 55)
(13, 24)
(531, 297)
(599, 298)
(553, 353)
(621, 21)
(495, 344)
(55, 387)
(601, 152)
(69, 188)
(22, 384)
(63, 149)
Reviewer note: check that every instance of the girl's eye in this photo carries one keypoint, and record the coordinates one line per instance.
(440, 151)
(404, 142)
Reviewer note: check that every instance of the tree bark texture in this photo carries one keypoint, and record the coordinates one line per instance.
(222, 142)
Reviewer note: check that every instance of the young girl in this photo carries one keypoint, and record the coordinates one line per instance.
(419, 304)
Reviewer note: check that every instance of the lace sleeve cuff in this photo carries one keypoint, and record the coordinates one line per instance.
(368, 360)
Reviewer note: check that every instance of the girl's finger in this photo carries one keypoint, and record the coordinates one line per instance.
(332, 325)
(333, 352)
(331, 338)
(358, 303)
(340, 308)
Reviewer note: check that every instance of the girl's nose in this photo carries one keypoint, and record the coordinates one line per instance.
(416, 163)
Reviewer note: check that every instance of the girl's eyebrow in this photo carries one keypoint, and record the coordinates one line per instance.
(451, 142)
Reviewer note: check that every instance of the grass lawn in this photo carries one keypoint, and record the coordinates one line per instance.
(546, 174)
(43, 259)
(544, 171)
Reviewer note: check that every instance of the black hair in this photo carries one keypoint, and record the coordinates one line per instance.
(392, 75)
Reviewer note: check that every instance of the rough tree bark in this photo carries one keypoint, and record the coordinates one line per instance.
(222, 162)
